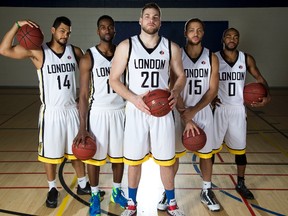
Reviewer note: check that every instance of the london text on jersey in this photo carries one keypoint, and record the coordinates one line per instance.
(61, 68)
(149, 63)
(196, 72)
(232, 76)
(103, 71)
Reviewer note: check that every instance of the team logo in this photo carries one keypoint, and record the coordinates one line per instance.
(203, 62)
(240, 66)
(161, 52)
(69, 57)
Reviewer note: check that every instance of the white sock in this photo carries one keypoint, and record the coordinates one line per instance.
(206, 185)
(116, 185)
(94, 190)
(52, 184)
(82, 182)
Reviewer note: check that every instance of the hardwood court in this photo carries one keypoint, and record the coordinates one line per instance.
(23, 185)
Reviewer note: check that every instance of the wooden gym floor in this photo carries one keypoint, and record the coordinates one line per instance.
(23, 185)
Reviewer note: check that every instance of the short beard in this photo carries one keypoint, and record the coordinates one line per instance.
(151, 32)
(230, 49)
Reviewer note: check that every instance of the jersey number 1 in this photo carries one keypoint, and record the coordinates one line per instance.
(66, 82)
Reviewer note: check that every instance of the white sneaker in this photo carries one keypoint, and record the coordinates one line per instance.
(131, 208)
(173, 210)
(208, 198)
(162, 205)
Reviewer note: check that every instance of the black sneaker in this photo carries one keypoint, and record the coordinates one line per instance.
(208, 198)
(52, 198)
(84, 191)
(163, 203)
(244, 191)
(87, 191)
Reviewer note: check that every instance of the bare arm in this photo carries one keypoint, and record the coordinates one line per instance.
(118, 66)
(16, 51)
(254, 71)
(177, 74)
(85, 66)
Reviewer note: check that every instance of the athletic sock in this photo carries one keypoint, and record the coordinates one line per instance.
(132, 192)
(52, 184)
(94, 190)
(82, 182)
(116, 185)
(170, 194)
(206, 185)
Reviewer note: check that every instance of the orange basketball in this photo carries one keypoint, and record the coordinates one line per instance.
(85, 152)
(194, 143)
(30, 37)
(157, 101)
(253, 92)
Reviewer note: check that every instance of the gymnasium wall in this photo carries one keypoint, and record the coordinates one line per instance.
(264, 34)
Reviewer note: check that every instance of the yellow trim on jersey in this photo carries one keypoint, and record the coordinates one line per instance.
(134, 162)
(50, 161)
(70, 157)
(209, 154)
(115, 160)
(236, 151)
(95, 162)
(165, 163)
(180, 154)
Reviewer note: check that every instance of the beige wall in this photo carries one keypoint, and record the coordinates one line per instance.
(264, 34)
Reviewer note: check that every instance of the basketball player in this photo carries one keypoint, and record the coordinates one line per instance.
(149, 58)
(201, 69)
(102, 114)
(56, 63)
(230, 115)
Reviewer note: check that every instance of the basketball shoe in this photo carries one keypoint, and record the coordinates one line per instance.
(131, 208)
(118, 197)
(87, 191)
(243, 190)
(162, 205)
(208, 198)
(173, 210)
(95, 209)
(52, 198)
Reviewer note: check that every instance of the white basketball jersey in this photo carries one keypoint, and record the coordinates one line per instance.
(57, 77)
(198, 72)
(232, 79)
(148, 70)
(102, 95)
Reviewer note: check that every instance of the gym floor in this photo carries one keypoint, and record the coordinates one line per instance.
(23, 184)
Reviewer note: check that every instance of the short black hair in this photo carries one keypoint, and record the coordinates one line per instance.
(60, 20)
(105, 17)
(230, 29)
(194, 20)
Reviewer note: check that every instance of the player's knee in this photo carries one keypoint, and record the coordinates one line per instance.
(241, 159)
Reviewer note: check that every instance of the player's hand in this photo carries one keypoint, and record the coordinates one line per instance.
(139, 103)
(81, 137)
(191, 126)
(27, 22)
(262, 101)
(215, 102)
(187, 114)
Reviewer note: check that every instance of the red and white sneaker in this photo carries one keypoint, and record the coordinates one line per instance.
(130, 209)
(173, 210)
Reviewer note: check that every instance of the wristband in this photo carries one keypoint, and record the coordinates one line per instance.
(18, 24)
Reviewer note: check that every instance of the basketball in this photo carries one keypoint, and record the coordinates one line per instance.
(30, 38)
(85, 152)
(254, 91)
(157, 101)
(194, 143)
